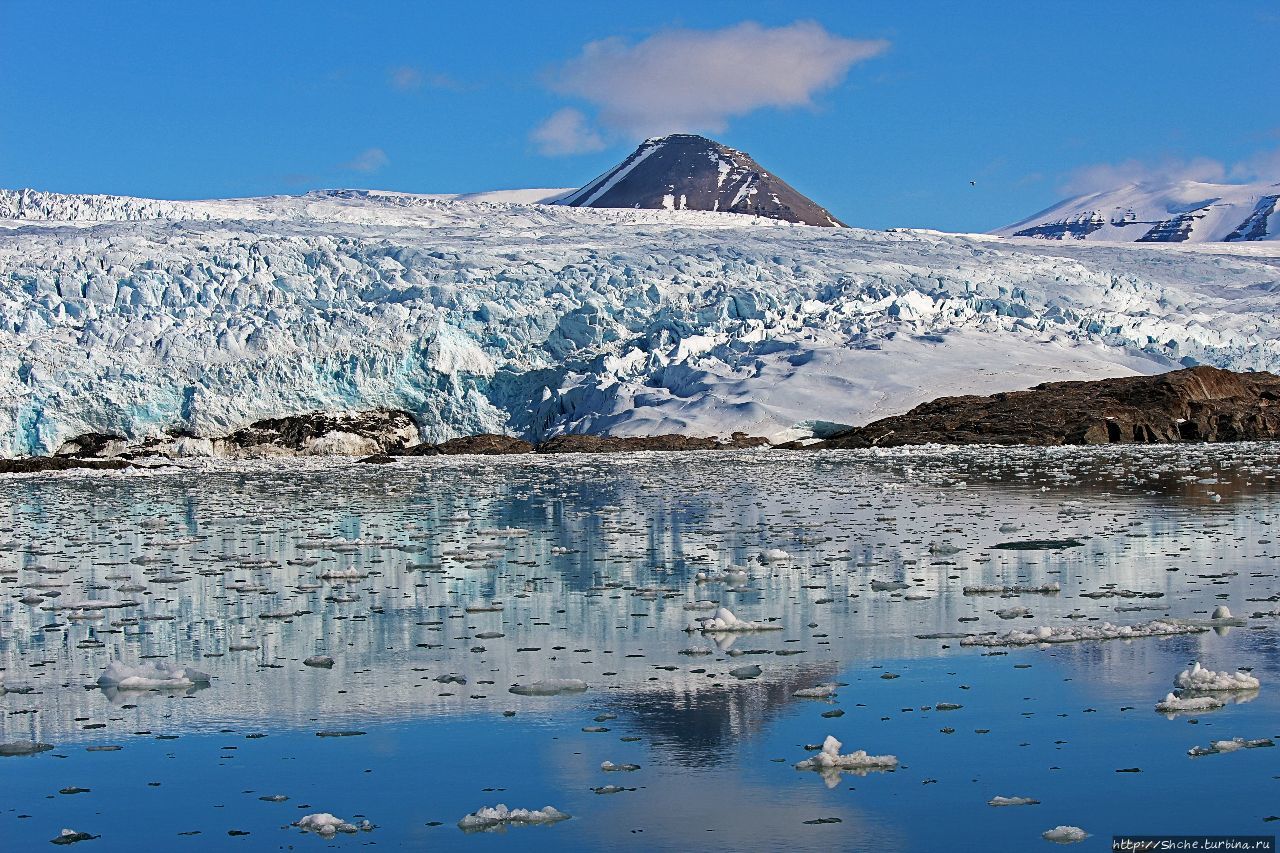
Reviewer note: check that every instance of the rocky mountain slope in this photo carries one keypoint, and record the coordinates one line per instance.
(1186, 211)
(130, 317)
(688, 172)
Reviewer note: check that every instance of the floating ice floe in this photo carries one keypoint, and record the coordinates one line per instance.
(319, 661)
(549, 687)
(732, 577)
(24, 747)
(1012, 801)
(1065, 834)
(774, 555)
(351, 574)
(323, 823)
(1076, 633)
(746, 672)
(491, 607)
(821, 691)
(71, 836)
(1013, 612)
(1201, 680)
(150, 676)
(1172, 704)
(610, 767)
(1218, 747)
(1016, 589)
(725, 621)
(499, 815)
(830, 763)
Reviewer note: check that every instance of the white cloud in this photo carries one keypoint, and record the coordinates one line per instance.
(369, 160)
(410, 78)
(406, 78)
(690, 80)
(1108, 176)
(1260, 166)
(567, 131)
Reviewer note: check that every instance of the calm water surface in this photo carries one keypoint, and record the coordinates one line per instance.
(595, 562)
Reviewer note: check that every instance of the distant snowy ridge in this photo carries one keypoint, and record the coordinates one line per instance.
(539, 319)
(1186, 211)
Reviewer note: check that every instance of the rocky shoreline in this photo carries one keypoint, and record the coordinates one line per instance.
(1199, 404)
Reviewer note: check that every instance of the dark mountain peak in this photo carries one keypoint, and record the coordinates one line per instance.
(684, 171)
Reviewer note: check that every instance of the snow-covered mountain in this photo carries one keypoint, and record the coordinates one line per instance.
(688, 172)
(133, 316)
(1186, 211)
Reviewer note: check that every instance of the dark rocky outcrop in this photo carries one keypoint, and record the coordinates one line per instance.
(1196, 404)
(484, 444)
(93, 445)
(371, 432)
(619, 444)
(40, 464)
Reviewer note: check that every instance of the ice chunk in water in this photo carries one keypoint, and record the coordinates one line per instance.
(724, 621)
(1065, 834)
(1172, 704)
(549, 687)
(1012, 801)
(491, 817)
(1204, 680)
(830, 763)
(156, 675)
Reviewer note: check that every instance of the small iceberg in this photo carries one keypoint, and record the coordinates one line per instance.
(1065, 834)
(495, 816)
(821, 691)
(151, 676)
(830, 763)
(549, 687)
(24, 747)
(325, 824)
(1017, 589)
(1077, 633)
(1012, 801)
(1172, 704)
(724, 621)
(1201, 680)
(1219, 747)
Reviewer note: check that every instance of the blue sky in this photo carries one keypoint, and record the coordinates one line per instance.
(885, 114)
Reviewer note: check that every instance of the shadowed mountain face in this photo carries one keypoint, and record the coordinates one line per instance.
(688, 172)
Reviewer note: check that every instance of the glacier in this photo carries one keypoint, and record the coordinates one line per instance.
(497, 313)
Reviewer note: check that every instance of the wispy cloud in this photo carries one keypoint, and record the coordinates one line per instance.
(567, 131)
(410, 78)
(691, 80)
(1261, 166)
(369, 160)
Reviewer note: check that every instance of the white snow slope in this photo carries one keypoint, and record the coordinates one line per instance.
(1185, 211)
(133, 316)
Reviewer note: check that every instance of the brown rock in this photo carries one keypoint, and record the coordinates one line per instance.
(485, 444)
(1196, 404)
(626, 444)
(37, 464)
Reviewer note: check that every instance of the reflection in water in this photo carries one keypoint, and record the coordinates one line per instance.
(437, 584)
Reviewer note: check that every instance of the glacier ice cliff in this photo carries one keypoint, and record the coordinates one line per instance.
(132, 316)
